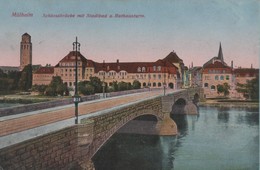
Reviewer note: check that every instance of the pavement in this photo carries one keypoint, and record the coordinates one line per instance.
(25, 121)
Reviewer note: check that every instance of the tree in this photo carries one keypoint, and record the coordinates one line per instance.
(56, 87)
(25, 82)
(136, 84)
(97, 84)
(113, 87)
(39, 88)
(223, 89)
(250, 90)
(86, 88)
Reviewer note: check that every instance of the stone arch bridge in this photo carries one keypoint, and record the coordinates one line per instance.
(73, 147)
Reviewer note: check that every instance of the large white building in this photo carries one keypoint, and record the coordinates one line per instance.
(153, 74)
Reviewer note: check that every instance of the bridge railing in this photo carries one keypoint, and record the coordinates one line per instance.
(43, 105)
(119, 93)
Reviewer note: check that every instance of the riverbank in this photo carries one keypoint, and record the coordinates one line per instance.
(229, 103)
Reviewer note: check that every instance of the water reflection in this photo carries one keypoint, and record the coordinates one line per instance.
(201, 144)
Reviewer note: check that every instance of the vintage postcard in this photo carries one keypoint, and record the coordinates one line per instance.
(128, 84)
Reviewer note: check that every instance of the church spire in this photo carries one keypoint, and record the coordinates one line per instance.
(220, 53)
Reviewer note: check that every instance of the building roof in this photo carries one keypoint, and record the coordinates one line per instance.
(71, 58)
(45, 70)
(132, 67)
(26, 34)
(216, 64)
(173, 58)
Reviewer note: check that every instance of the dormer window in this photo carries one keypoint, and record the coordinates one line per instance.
(154, 68)
(143, 69)
(139, 69)
(159, 68)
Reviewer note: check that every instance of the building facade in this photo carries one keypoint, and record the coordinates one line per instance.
(150, 74)
(43, 76)
(216, 72)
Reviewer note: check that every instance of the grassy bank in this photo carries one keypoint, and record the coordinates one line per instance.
(230, 103)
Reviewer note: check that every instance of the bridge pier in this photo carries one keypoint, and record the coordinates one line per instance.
(190, 108)
(88, 165)
(167, 127)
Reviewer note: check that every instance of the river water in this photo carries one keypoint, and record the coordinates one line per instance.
(216, 139)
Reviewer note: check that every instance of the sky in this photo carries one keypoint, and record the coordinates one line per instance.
(191, 28)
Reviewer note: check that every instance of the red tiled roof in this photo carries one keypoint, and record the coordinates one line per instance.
(216, 64)
(71, 57)
(45, 70)
(132, 67)
(173, 58)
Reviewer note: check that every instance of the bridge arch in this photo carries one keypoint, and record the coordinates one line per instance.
(179, 106)
(118, 125)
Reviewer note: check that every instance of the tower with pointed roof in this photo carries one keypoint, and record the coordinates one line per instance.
(25, 51)
(220, 53)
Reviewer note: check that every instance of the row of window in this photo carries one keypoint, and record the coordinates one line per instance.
(70, 75)
(143, 69)
(221, 77)
(217, 71)
(70, 64)
(212, 87)
(217, 77)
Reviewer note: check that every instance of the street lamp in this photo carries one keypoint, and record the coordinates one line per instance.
(164, 77)
(104, 84)
(76, 99)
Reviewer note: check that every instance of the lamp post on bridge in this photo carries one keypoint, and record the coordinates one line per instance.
(76, 98)
(103, 83)
(164, 79)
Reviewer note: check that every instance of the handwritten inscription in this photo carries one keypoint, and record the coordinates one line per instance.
(22, 14)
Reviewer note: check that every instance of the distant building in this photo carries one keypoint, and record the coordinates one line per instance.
(149, 74)
(194, 77)
(43, 76)
(25, 51)
(8, 69)
(242, 76)
(216, 72)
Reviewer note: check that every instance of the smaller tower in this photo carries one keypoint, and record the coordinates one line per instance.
(220, 53)
(25, 51)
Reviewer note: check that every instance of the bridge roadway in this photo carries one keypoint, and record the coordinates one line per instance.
(17, 128)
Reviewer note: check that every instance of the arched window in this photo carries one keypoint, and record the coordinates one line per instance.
(222, 77)
(143, 69)
(213, 87)
(144, 84)
(154, 68)
(206, 85)
(159, 68)
(216, 77)
(159, 84)
(154, 84)
(139, 69)
(171, 85)
(227, 77)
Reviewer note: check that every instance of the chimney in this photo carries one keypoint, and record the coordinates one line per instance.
(251, 65)
(118, 67)
(232, 64)
(191, 64)
(104, 65)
